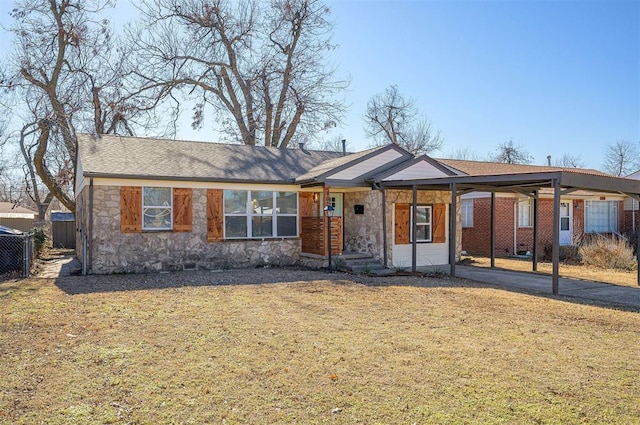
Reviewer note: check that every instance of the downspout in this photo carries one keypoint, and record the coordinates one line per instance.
(90, 236)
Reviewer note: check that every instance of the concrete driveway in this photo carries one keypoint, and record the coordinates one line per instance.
(603, 292)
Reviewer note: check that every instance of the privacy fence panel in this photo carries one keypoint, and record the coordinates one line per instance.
(16, 255)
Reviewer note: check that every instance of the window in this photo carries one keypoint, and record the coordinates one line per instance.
(157, 208)
(423, 224)
(601, 216)
(260, 214)
(467, 212)
(524, 212)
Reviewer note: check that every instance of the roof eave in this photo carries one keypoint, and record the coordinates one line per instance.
(184, 178)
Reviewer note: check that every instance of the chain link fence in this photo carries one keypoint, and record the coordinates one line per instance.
(16, 255)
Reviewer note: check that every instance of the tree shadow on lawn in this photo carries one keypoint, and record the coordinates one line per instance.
(77, 285)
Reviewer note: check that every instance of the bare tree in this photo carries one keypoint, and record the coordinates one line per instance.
(68, 70)
(465, 154)
(390, 118)
(333, 144)
(570, 161)
(509, 153)
(621, 158)
(261, 66)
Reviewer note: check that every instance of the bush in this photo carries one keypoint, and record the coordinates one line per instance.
(569, 254)
(608, 252)
(39, 238)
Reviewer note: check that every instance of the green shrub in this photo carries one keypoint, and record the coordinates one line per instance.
(39, 238)
(608, 252)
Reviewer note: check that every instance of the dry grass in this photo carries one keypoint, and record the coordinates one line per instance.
(311, 352)
(596, 274)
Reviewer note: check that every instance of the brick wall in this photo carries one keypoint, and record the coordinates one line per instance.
(627, 221)
(476, 240)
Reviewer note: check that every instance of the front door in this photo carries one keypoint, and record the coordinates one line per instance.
(336, 200)
(566, 223)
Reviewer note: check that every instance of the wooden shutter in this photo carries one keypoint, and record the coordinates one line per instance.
(402, 224)
(306, 207)
(130, 209)
(215, 215)
(439, 223)
(182, 209)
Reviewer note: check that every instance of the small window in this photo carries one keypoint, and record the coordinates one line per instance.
(467, 213)
(157, 208)
(524, 213)
(423, 224)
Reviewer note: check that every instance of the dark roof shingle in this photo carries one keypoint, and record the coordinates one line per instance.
(135, 157)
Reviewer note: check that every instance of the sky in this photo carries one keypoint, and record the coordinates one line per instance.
(556, 77)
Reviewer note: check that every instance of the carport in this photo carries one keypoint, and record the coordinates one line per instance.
(529, 184)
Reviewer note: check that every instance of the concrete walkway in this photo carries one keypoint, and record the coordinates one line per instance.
(602, 292)
(64, 264)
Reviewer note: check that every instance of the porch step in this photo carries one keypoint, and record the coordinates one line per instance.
(361, 264)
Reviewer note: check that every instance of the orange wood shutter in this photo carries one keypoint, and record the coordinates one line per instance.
(182, 209)
(306, 206)
(439, 223)
(215, 215)
(402, 224)
(130, 209)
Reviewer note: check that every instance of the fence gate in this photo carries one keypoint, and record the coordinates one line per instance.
(63, 234)
(16, 255)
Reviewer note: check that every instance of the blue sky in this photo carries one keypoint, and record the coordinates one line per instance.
(555, 76)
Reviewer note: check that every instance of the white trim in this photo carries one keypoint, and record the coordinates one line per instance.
(145, 207)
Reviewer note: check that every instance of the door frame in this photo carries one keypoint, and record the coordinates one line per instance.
(566, 236)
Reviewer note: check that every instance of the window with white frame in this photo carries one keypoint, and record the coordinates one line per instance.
(524, 213)
(260, 214)
(467, 212)
(601, 216)
(423, 223)
(157, 208)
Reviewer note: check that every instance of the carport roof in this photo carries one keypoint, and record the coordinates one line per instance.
(526, 182)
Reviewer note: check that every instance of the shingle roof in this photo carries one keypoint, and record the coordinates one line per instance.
(109, 155)
(484, 168)
(8, 207)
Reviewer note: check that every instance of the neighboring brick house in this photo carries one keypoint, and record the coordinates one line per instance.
(581, 213)
(147, 204)
(631, 210)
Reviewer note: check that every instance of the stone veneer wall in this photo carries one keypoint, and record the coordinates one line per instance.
(81, 216)
(363, 232)
(424, 197)
(116, 252)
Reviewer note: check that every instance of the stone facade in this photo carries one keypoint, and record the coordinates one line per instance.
(363, 232)
(112, 251)
(116, 252)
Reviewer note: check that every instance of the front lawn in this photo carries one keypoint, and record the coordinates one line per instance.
(309, 351)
